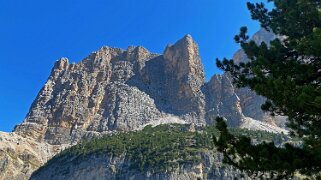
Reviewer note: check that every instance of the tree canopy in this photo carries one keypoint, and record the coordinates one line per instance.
(288, 74)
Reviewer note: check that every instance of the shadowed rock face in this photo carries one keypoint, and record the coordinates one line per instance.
(122, 90)
(222, 100)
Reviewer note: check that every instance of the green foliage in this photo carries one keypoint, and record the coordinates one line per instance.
(162, 148)
(288, 73)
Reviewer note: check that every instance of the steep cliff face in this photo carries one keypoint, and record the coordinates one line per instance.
(222, 100)
(91, 96)
(115, 90)
(100, 166)
(20, 157)
(185, 76)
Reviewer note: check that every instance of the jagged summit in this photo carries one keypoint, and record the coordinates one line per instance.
(132, 53)
(120, 90)
(185, 41)
(62, 63)
(187, 36)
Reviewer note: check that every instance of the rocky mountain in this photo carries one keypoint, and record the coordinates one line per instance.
(115, 90)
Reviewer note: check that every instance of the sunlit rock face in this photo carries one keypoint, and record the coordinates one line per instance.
(102, 166)
(115, 90)
(185, 75)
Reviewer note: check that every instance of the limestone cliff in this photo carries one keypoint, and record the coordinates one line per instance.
(20, 156)
(121, 90)
(100, 166)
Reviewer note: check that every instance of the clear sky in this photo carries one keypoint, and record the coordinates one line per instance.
(35, 33)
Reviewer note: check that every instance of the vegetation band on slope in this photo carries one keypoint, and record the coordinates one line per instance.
(161, 148)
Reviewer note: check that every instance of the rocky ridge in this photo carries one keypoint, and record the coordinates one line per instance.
(115, 90)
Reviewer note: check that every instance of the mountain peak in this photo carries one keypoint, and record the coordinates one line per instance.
(184, 58)
(62, 63)
(188, 37)
(264, 36)
(261, 36)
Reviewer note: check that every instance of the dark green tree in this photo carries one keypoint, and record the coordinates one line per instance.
(288, 74)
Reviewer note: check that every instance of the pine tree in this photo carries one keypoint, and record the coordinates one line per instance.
(288, 74)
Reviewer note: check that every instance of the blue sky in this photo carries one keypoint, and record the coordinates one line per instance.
(35, 33)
